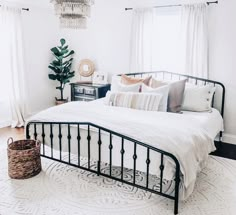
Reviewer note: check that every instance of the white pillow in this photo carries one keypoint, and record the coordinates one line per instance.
(197, 98)
(117, 86)
(115, 82)
(164, 91)
(140, 101)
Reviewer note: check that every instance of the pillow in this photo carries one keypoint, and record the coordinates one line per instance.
(115, 82)
(130, 80)
(156, 83)
(128, 88)
(164, 91)
(139, 101)
(197, 98)
(176, 92)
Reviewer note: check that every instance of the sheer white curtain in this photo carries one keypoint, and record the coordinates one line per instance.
(195, 39)
(141, 40)
(12, 89)
(173, 39)
(155, 40)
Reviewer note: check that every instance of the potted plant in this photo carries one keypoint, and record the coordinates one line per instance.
(61, 68)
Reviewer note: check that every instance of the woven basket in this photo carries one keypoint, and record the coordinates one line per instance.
(24, 159)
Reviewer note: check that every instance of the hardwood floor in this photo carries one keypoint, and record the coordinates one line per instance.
(15, 133)
(223, 150)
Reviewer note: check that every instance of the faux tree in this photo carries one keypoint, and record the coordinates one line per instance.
(61, 66)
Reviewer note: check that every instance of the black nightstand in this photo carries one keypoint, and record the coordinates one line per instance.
(88, 91)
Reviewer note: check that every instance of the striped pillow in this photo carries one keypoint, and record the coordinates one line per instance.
(139, 101)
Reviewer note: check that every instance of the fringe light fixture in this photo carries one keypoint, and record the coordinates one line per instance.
(73, 13)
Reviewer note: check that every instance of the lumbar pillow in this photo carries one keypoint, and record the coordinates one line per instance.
(140, 101)
(164, 91)
(197, 98)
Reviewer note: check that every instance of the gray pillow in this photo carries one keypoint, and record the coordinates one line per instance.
(176, 94)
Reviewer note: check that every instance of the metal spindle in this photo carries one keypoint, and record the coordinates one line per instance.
(135, 158)
(177, 181)
(122, 151)
(43, 137)
(99, 151)
(161, 173)
(78, 139)
(148, 163)
(51, 137)
(69, 142)
(110, 148)
(60, 137)
(89, 139)
(35, 132)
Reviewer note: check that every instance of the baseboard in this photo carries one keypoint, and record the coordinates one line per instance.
(229, 138)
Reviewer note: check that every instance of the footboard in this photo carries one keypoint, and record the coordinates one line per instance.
(56, 139)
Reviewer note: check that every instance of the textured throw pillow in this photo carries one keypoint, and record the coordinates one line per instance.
(130, 80)
(164, 91)
(198, 99)
(139, 101)
(176, 93)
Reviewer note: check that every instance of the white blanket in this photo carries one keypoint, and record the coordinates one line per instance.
(179, 134)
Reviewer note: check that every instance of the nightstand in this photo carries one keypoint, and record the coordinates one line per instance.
(88, 91)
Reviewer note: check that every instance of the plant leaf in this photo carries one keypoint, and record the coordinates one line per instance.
(55, 51)
(71, 53)
(63, 42)
(52, 77)
(64, 48)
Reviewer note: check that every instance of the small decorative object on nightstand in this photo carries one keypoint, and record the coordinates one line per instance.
(88, 92)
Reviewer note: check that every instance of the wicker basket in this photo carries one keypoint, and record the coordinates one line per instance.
(24, 159)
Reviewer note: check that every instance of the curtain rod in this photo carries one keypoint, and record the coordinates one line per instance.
(176, 5)
(26, 9)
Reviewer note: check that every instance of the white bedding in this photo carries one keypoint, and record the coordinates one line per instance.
(189, 136)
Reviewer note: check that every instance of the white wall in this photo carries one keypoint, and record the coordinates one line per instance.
(106, 41)
(222, 39)
(40, 33)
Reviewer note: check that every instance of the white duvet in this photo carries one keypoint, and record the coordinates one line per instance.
(186, 136)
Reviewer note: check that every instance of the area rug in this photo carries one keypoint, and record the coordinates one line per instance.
(63, 190)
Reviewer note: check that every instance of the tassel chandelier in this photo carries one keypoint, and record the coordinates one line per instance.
(73, 13)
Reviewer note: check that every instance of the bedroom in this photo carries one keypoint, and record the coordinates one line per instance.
(110, 42)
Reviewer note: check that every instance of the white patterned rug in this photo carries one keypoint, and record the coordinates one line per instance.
(63, 190)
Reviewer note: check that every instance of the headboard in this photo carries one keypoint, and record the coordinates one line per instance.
(219, 97)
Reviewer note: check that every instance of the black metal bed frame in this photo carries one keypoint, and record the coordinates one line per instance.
(57, 127)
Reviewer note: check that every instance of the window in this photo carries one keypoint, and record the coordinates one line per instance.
(166, 50)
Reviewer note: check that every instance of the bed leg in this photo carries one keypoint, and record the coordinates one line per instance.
(176, 209)
(177, 182)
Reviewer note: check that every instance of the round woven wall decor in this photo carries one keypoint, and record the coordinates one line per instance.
(86, 68)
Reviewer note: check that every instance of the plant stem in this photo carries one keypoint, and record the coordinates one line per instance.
(61, 92)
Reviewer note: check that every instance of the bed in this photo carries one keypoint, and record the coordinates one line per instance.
(159, 144)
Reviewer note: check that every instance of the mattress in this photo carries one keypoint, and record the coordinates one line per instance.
(189, 136)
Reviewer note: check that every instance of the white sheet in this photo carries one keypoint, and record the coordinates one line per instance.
(212, 121)
(187, 136)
